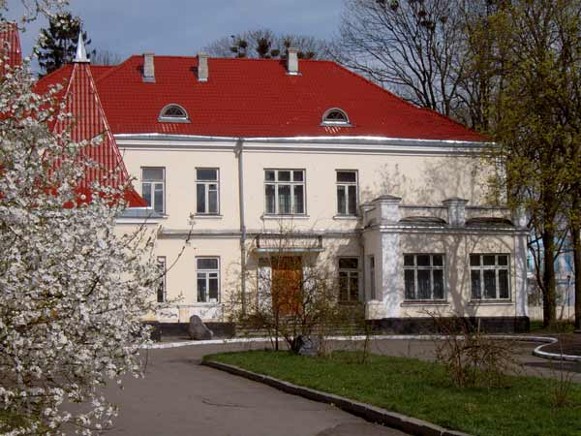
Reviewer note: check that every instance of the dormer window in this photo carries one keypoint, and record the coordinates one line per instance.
(174, 113)
(335, 117)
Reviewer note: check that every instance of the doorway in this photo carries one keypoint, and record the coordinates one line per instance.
(287, 284)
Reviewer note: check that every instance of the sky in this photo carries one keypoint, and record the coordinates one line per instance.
(185, 27)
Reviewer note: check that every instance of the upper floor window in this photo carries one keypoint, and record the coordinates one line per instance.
(335, 117)
(208, 279)
(489, 274)
(348, 279)
(285, 191)
(424, 276)
(346, 192)
(173, 113)
(207, 191)
(153, 187)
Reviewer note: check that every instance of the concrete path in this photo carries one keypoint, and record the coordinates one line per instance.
(178, 396)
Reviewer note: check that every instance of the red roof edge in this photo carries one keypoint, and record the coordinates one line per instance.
(10, 46)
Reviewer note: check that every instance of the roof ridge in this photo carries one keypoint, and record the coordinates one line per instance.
(113, 69)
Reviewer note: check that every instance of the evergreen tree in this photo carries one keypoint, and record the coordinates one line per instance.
(58, 43)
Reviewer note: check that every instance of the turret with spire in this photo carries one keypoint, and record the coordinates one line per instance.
(10, 50)
(81, 55)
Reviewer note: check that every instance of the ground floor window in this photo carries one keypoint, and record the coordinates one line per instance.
(161, 284)
(371, 276)
(208, 279)
(489, 274)
(424, 276)
(348, 279)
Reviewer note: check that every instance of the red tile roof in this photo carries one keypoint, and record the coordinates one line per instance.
(256, 98)
(89, 122)
(9, 46)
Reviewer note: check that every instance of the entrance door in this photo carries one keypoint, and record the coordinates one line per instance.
(287, 277)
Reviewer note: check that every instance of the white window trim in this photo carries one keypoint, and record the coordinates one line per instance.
(371, 273)
(206, 184)
(415, 268)
(208, 271)
(172, 118)
(152, 183)
(496, 267)
(346, 186)
(162, 265)
(330, 122)
(350, 272)
(276, 183)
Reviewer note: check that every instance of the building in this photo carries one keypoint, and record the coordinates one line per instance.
(234, 156)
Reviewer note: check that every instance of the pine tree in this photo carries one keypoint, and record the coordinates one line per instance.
(58, 43)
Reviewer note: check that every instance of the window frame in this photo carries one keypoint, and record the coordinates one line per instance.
(152, 189)
(327, 121)
(206, 272)
(431, 268)
(164, 118)
(349, 273)
(162, 285)
(497, 268)
(371, 275)
(277, 184)
(206, 184)
(345, 186)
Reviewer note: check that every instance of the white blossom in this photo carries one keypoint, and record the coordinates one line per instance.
(72, 293)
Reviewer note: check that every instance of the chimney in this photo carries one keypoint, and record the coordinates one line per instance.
(203, 72)
(292, 62)
(148, 68)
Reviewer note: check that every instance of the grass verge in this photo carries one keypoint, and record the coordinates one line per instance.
(523, 406)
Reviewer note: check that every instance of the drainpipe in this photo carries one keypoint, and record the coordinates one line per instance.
(239, 154)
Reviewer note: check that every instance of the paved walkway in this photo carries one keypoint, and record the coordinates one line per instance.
(178, 396)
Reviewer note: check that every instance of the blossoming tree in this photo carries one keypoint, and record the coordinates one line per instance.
(73, 290)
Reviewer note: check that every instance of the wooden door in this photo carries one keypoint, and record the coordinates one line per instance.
(287, 277)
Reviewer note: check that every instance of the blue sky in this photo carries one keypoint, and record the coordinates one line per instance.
(184, 27)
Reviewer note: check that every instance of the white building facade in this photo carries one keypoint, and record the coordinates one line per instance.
(233, 155)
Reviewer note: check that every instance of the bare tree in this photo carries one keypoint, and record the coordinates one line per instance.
(105, 57)
(264, 43)
(414, 47)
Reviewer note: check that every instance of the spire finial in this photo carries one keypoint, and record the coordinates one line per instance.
(81, 55)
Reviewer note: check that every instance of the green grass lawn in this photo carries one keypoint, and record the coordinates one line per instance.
(524, 406)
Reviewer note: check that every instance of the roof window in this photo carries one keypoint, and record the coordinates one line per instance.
(335, 117)
(174, 113)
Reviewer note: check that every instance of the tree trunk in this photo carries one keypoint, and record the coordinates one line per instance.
(576, 240)
(549, 281)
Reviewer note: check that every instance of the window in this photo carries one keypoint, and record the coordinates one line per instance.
(335, 117)
(208, 279)
(173, 113)
(347, 192)
(371, 266)
(348, 279)
(489, 276)
(207, 191)
(153, 187)
(285, 192)
(161, 263)
(424, 276)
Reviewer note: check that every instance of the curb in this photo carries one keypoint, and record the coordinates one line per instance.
(546, 340)
(370, 413)
(554, 356)
(206, 342)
